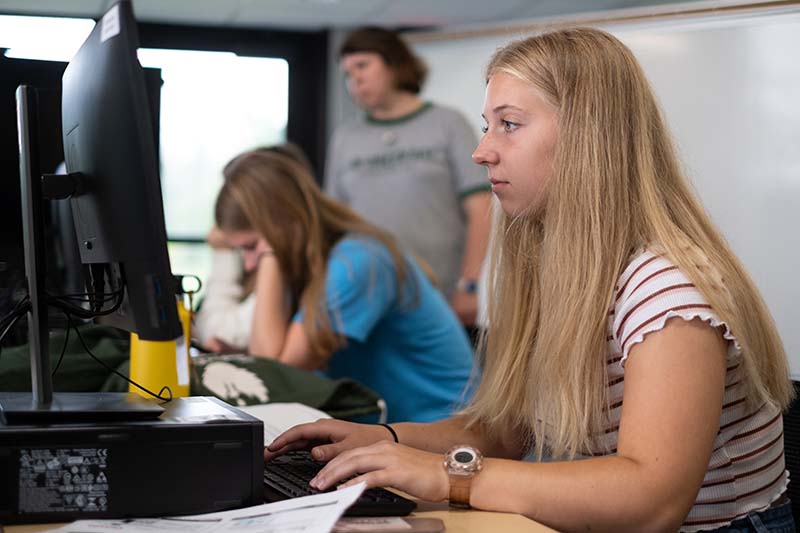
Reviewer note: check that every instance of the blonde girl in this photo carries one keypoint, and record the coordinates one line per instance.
(626, 343)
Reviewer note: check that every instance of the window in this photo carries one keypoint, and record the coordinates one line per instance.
(214, 105)
(225, 90)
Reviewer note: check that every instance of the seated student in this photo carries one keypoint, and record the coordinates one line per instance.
(222, 324)
(622, 329)
(335, 293)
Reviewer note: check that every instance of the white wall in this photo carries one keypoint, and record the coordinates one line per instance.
(730, 89)
(340, 106)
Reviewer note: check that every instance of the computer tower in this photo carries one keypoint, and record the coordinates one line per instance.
(201, 455)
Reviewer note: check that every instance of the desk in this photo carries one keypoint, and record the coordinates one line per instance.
(478, 521)
(454, 521)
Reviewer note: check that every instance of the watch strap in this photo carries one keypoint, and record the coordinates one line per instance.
(459, 491)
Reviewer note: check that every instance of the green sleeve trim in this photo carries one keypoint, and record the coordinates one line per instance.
(472, 190)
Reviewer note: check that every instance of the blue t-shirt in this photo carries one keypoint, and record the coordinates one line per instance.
(410, 348)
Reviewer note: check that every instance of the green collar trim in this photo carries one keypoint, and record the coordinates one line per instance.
(405, 118)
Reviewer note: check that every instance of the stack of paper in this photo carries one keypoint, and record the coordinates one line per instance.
(309, 514)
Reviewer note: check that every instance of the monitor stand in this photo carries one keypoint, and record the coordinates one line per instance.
(21, 408)
(41, 405)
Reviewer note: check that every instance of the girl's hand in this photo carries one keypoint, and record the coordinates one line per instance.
(339, 435)
(216, 239)
(388, 464)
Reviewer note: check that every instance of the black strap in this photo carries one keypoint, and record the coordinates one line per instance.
(392, 431)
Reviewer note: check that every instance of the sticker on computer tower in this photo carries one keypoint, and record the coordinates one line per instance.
(63, 480)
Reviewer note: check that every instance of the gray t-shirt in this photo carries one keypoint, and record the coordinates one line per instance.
(408, 176)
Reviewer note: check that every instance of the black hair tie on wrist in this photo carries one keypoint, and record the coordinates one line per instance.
(392, 431)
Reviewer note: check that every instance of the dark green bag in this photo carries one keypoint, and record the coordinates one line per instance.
(236, 379)
(245, 380)
(78, 372)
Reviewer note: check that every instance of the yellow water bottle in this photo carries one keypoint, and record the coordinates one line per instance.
(156, 364)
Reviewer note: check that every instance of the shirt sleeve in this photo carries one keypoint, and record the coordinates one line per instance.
(469, 177)
(360, 288)
(223, 314)
(654, 291)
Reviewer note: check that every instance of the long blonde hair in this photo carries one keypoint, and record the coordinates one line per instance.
(277, 197)
(616, 186)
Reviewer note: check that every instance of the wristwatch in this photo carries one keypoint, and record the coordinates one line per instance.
(462, 462)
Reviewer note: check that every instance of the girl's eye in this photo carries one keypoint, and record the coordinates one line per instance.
(484, 129)
(509, 126)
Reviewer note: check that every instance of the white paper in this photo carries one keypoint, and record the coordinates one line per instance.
(278, 417)
(109, 25)
(309, 514)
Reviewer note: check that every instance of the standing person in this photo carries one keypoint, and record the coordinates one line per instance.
(623, 331)
(335, 293)
(405, 165)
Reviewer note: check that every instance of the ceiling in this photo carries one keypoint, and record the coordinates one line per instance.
(324, 14)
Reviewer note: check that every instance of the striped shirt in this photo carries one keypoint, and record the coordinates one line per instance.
(747, 468)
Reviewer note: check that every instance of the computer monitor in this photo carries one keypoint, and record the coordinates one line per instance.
(115, 190)
(109, 140)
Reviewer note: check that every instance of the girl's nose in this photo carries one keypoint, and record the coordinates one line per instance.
(484, 154)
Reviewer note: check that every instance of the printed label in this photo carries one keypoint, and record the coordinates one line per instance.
(182, 360)
(109, 26)
(63, 480)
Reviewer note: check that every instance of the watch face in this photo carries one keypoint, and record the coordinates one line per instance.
(463, 456)
(463, 460)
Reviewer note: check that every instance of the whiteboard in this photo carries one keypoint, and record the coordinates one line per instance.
(730, 90)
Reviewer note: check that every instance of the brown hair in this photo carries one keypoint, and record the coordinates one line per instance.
(276, 196)
(409, 70)
(616, 187)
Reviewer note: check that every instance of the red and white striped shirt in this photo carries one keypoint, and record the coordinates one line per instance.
(747, 470)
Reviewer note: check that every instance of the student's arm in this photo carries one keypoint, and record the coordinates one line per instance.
(274, 335)
(270, 328)
(477, 207)
(360, 285)
(474, 191)
(674, 386)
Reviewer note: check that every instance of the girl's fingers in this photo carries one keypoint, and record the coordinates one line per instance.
(349, 464)
(296, 445)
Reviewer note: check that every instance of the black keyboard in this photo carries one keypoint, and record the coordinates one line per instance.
(287, 476)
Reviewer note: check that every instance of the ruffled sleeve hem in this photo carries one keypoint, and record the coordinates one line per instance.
(706, 316)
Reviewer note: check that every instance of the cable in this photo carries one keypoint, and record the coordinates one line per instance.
(11, 319)
(63, 348)
(21, 306)
(126, 378)
(80, 312)
(117, 295)
(8, 328)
